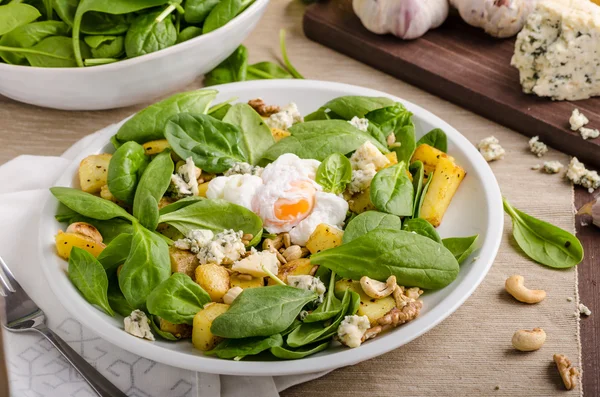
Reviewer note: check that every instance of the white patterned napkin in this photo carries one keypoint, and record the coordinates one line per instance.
(35, 367)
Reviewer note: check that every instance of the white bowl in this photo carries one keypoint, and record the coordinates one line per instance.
(131, 81)
(476, 209)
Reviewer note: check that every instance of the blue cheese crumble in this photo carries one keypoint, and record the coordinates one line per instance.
(537, 147)
(257, 264)
(184, 182)
(490, 149)
(221, 249)
(285, 118)
(552, 167)
(589, 133)
(309, 283)
(579, 175)
(361, 124)
(365, 161)
(137, 324)
(242, 168)
(194, 240)
(352, 329)
(577, 120)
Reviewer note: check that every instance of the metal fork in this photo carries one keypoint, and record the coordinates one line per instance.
(21, 314)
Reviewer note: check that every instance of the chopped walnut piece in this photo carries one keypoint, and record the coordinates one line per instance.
(262, 108)
(394, 318)
(568, 374)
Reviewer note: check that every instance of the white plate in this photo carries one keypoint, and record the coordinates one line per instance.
(476, 209)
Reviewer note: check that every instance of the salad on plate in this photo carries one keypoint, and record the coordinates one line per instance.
(252, 229)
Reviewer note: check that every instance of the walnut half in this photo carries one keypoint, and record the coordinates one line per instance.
(262, 108)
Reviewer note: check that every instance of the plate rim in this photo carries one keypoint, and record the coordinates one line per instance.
(94, 319)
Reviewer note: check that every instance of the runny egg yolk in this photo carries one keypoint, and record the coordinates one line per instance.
(294, 209)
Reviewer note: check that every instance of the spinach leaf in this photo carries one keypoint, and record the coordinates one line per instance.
(15, 14)
(436, 138)
(220, 112)
(184, 202)
(89, 277)
(99, 23)
(334, 173)
(390, 119)
(116, 252)
(422, 227)
(149, 124)
(89, 205)
(53, 52)
(215, 215)
(213, 145)
(319, 114)
(294, 354)
(262, 312)
(319, 139)
(147, 265)
(27, 36)
(367, 221)
(330, 307)
(106, 46)
(350, 106)
(196, 11)
(152, 186)
(66, 9)
(109, 229)
(177, 299)
(267, 70)
(543, 242)
(146, 35)
(405, 142)
(392, 191)
(421, 198)
(116, 299)
(415, 260)
(222, 13)
(418, 172)
(256, 135)
(154, 324)
(461, 247)
(232, 69)
(188, 33)
(240, 348)
(125, 169)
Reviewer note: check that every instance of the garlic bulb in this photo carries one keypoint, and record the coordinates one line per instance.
(499, 18)
(407, 19)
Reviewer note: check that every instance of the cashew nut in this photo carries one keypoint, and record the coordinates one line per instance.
(567, 373)
(231, 294)
(377, 289)
(294, 252)
(514, 286)
(86, 230)
(528, 341)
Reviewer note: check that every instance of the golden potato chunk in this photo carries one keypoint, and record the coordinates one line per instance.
(324, 237)
(178, 330)
(66, 241)
(372, 308)
(202, 338)
(93, 172)
(393, 157)
(107, 195)
(202, 188)
(446, 179)
(183, 261)
(244, 283)
(279, 134)
(429, 156)
(155, 147)
(298, 267)
(214, 279)
(361, 202)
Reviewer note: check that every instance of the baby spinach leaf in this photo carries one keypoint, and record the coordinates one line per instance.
(330, 307)
(89, 277)
(15, 14)
(367, 221)
(106, 46)
(215, 215)
(154, 324)
(125, 169)
(54, 52)
(256, 135)
(89, 205)
(177, 299)
(146, 35)
(196, 11)
(262, 312)
(418, 172)
(319, 114)
(267, 70)
(334, 173)
(27, 36)
(405, 142)
(100, 23)
(436, 138)
(152, 186)
(147, 265)
(116, 252)
(543, 242)
(422, 196)
(461, 247)
(66, 9)
(149, 124)
(319, 139)
(390, 119)
(109, 229)
(232, 69)
(116, 300)
(213, 145)
(392, 191)
(422, 227)
(222, 13)
(239, 348)
(350, 106)
(294, 354)
(188, 33)
(184, 202)
(415, 260)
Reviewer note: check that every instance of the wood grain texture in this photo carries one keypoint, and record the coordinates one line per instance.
(463, 65)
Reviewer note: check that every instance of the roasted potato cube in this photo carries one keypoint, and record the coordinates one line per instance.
(279, 134)
(324, 237)
(372, 308)
(446, 179)
(178, 330)
(202, 338)
(244, 283)
(183, 261)
(298, 267)
(155, 147)
(429, 156)
(361, 202)
(214, 279)
(202, 188)
(393, 157)
(107, 195)
(93, 172)
(66, 241)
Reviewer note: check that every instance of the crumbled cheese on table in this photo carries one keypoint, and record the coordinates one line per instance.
(537, 147)
(579, 175)
(552, 167)
(285, 118)
(352, 329)
(536, 167)
(589, 133)
(577, 120)
(583, 309)
(137, 324)
(361, 124)
(490, 149)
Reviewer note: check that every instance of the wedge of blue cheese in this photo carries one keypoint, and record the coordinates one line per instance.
(558, 51)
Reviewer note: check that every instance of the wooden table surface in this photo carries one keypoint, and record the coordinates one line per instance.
(27, 129)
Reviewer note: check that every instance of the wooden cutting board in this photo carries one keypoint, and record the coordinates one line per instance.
(463, 65)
